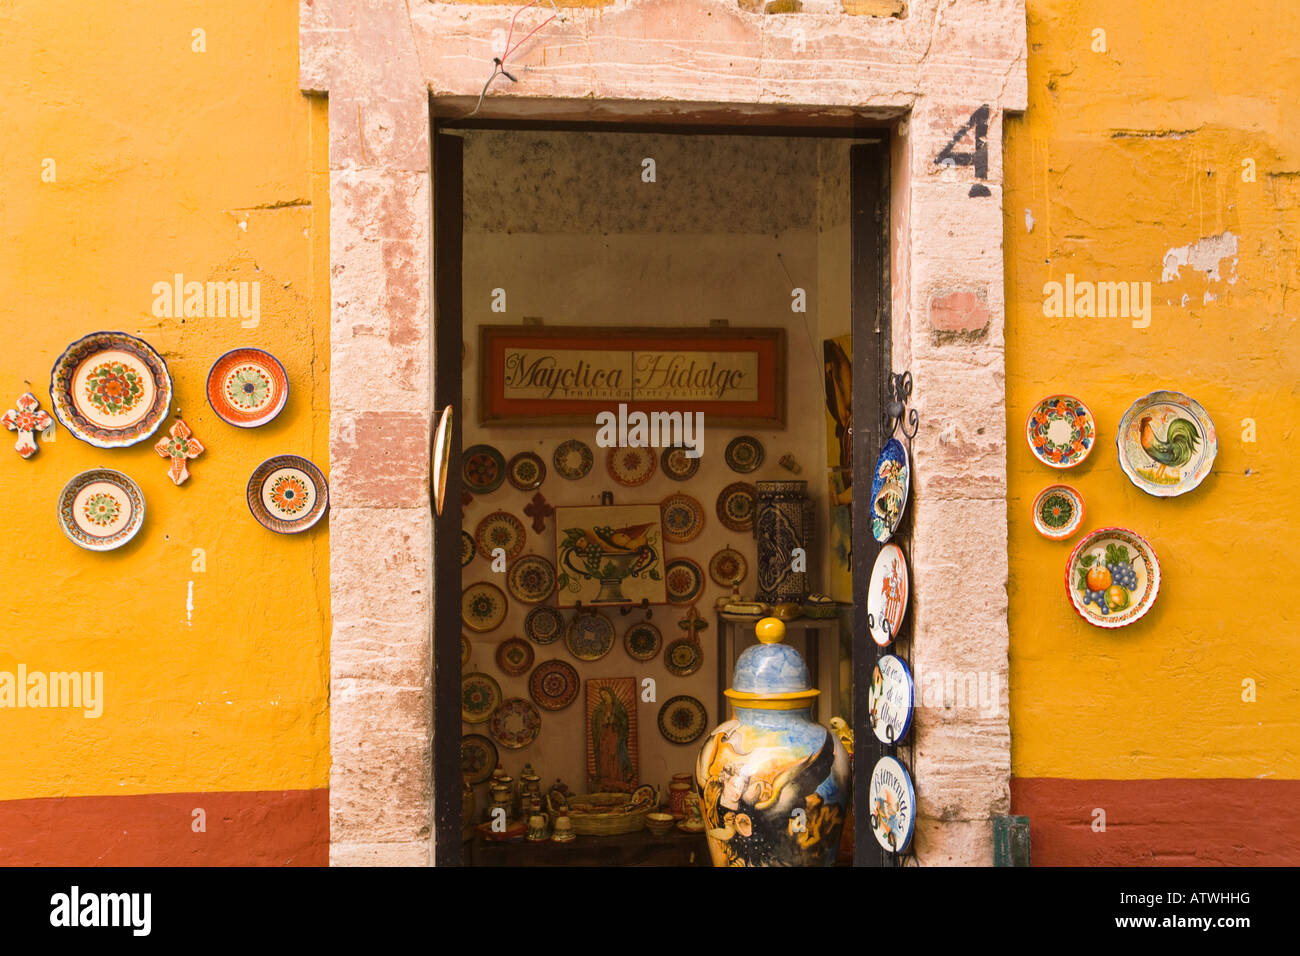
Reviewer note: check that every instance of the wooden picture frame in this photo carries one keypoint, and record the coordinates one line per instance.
(609, 555)
(613, 764)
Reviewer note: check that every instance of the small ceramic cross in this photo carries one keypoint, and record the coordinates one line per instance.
(180, 447)
(692, 623)
(539, 511)
(27, 419)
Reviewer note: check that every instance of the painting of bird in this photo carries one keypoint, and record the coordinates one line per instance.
(1174, 450)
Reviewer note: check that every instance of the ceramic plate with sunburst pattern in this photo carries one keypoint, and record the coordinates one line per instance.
(247, 387)
(101, 509)
(288, 494)
(630, 466)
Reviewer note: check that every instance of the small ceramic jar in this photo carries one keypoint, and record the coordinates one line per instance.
(678, 791)
(563, 829)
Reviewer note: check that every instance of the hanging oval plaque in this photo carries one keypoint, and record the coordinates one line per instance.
(891, 697)
(893, 805)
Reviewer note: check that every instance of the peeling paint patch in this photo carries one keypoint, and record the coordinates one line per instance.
(1152, 133)
(1029, 221)
(1204, 255)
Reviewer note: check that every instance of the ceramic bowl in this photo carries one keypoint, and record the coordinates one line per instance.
(659, 822)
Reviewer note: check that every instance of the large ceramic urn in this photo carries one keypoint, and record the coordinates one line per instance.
(774, 783)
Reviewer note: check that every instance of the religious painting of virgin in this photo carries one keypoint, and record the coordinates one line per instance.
(611, 735)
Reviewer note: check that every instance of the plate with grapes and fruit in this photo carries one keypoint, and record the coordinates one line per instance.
(1112, 577)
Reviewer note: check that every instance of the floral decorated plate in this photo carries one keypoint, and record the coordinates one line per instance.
(502, 530)
(683, 657)
(683, 518)
(887, 594)
(889, 488)
(468, 548)
(515, 724)
(101, 509)
(531, 579)
(483, 469)
(682, 719)
(678, 465)
(1058, 512)
(526, 471)
(247, 387)
(111, 389)
(554, 684)
(1112, 577)
(890, 698)
(572, 459)
(893, 804)
(630, 466)
(1167, 444)
(736, 506)
(288, 494)
(683, 580)
(480, 695)
(514, 656)
(589, 636)
(544, 625)
(642, 641)
(744, 454)
(1061, 431)
(478, 758)
(728, 567)
(482, 607)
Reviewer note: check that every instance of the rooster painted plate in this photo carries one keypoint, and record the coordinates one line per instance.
(553, 684)
(287, 494)
(1112, 577)
(247, 387)
(111, 389)
(630, 466)
(1061, 431)
(1167, 444)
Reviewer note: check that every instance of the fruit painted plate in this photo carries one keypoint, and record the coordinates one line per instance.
(744, 454)
(1112, 577)
(483, 469)
(483, 607)
(682, 719)
(572, 459)
(544, 625)
(642, 641)
(589, 636)
(526, 471)
(1061, 431)
(502, 530)
(531, 579)
(288, 494)
(553, 684)
(1058, 512)
(683, 657)
(247, 387)
(1167, 444)
(678, 465)
(736, 506)
(110, 389)
(892, 799)
(101, 509)
(728, 567)
(683, 580)
(683, 518)
(478, 758)
(889, 488)
(514, 656)
(630, 466)
(480, 695)
(467, 548)
(515, 724)
(887, 594)
(891, 697)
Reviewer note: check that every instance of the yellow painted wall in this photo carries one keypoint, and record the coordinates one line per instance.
(1121, 156)
(166, 160)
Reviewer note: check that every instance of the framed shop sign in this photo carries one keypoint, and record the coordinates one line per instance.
(534, 375)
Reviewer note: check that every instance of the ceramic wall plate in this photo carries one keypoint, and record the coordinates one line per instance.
(683, 580)
(728, 567)
(683, 657)
(514, 656)
(887, 594)
(642, 641)
(247, 387)
(889, 489)
(630, 467)
(101, 509)
(480, 695)
(544, 625)
(1061, 431)
(526, 471)
(478, 758)
(554, 684)
(1167, 444)
(483, 469)
(678, 465)
(736, 506)
(572, 459)
(502, 530)
(515, 724)
(468, 548)
(531, 579)
(1113, 577)
(465, 650)
(111, 389)
(683, 518)
(682, 719)
(744, 454)
(893, 805)
(891, 697)
(483, 607)
(288, 494)
(589, 636)
(1058, 512)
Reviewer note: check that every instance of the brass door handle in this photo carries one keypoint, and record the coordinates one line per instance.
(440, 460)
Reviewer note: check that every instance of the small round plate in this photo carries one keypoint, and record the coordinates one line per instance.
(514, 656)
(572, 459)
(1167, 444)
(483, 607)
(1058, 512)
(893, 805)
(728, 567)
(683, 581)
(736, 506)
(678, 465)
(515, 724)
(744, 454)
(1112, 577)
(891, 697)
(480, 695)
(1061, 431)
(683, 657)
(111, 389)
(887, 594)
(465, 650)
(468, 548)
(544, 625)
(642, 641)
(288, 494)
(682, 517)
(889, 487)
(503, 530)
(554, 684)
(478, 758)
(682, 719)
(101, 509)
(630, 466)
(483, 469)
(531, 579)
(247, 387)
(526, 471)
(589, 636)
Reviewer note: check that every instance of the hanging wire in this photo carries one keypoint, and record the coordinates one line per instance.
(498, 62)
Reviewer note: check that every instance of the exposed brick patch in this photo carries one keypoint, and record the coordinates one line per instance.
(381, 460)
(959, 317)
(873, 8)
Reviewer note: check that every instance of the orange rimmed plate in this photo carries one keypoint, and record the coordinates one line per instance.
(247, 387)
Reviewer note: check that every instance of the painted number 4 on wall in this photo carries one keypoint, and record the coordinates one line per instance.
(977, 125)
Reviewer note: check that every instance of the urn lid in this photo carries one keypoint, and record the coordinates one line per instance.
(771, 674)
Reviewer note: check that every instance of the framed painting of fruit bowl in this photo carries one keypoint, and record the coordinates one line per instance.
(1112, 577)
(611, 554)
